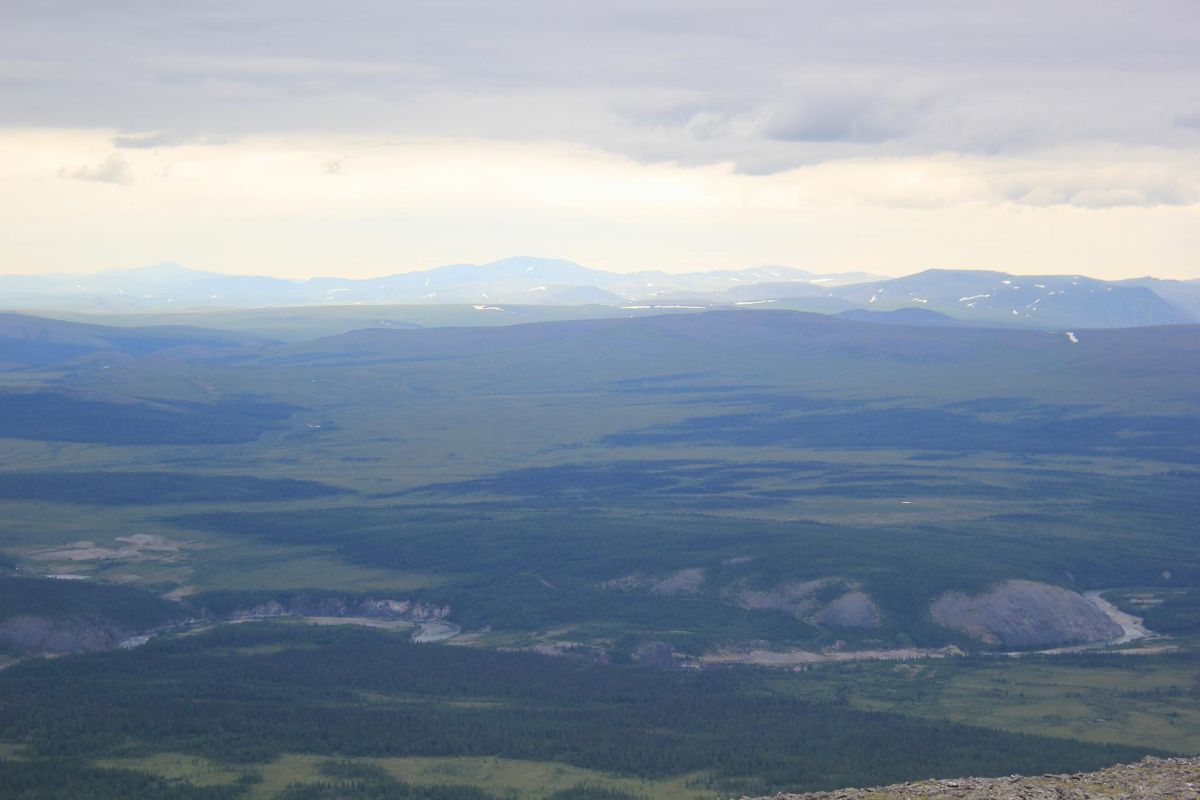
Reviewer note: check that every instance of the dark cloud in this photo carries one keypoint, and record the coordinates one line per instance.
(1189, 119)
(843, 115)
(765, 84)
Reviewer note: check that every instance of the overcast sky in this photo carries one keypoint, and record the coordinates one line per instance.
(362, 138)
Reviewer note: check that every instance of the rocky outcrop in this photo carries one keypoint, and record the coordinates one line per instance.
(850, 610)
(313, 606)
(684, 581)
(43, 635)
(34, 634)
(1151, 779)
(796, 597)
(1025, 614)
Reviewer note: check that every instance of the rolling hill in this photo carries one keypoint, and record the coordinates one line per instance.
(36, 341)
(705, 479)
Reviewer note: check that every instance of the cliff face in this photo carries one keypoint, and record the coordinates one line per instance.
(316, 606)
(34, 634)
(1151, 779)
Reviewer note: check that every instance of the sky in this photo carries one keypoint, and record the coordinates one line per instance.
(302, 138)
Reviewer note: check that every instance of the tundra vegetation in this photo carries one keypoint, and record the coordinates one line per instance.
(635, 497)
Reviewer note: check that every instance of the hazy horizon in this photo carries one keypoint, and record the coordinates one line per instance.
(814, 269)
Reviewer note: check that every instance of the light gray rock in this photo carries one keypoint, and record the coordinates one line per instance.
(850, 610)
(796, 597)
(1150, 779)
(42, 635)
(1020, 613)
(684, 581)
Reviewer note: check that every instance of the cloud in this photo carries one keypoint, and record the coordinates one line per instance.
(113, 169)
(857, 133)
(264, 204)
(1102, 183)
(1189, 119)
(765, 84)
(843, 113)
(1106, 197)
(156, 139)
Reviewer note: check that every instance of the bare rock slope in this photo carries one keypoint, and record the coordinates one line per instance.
(1025, 614)
(1151, 779)
(851, 610)
(30, 634)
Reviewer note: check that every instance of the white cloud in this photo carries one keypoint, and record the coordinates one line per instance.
(1104, 179)
(113, 169)
(269, 204)
(156, 139)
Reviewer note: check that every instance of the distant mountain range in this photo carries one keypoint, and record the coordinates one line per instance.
(1047, 301)
(523, 280)
(967, 296)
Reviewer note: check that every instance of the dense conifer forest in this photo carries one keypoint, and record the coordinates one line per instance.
(250, 693)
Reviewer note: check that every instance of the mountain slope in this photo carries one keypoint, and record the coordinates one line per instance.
(1046, 301)
(37, 341)
(743, 340)
(977, 297)
(1182, 294)
(901, 316)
